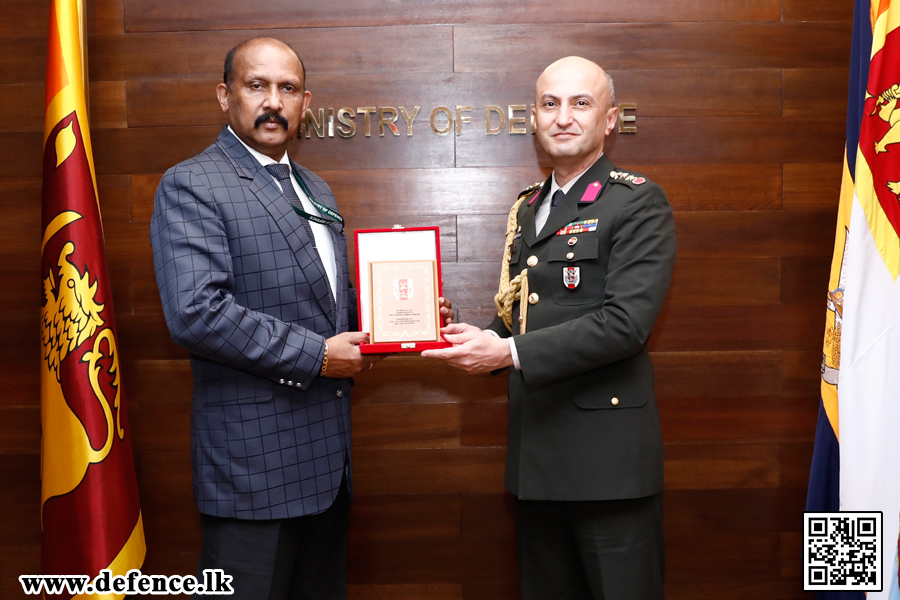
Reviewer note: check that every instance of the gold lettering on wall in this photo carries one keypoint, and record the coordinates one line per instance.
(514, 120)
(342, 115)
(434, 126)
(409, 118)
(623, 118)
(366, 111)
(461, 118)
(489, 112)
(389, 121)
(311, 122)
(443, 120)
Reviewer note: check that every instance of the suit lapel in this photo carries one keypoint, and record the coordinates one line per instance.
(337, 239)
(527, 220)
(299, 238)
(559, 217)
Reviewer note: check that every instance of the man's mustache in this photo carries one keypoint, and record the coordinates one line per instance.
(270, 116)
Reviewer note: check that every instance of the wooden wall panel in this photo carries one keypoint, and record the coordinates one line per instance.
(21, 378)
(751, 327)
(20, 154)
(390, 561)
(342, 50)
(734, 512)
(681, 93)
(804, 279)
(707, 466)
(432, 425)
(810, 92)
(409, 517)
(410, 591)
(801, 373)
(23, 59)
(717, 374)
(16, 559)
(670, 45)
(754, 234)
(717, 187)
(724, 419)
(812, 186)
(145, 15)
(488, 516)
(725, 281)
(428, 471)
(24, 18)
(704, 140)
(828, 10)
(740, 118)
(105, 16)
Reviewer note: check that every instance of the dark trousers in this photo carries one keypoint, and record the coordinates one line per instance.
(304, 558)
(600, 550)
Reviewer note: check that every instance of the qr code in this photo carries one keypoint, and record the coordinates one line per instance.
(842, 551)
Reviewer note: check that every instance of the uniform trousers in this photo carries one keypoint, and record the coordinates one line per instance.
(596, 550)
(301, 558)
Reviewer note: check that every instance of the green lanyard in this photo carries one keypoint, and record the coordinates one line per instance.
(335, 215)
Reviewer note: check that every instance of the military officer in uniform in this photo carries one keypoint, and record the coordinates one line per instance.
(588, 260)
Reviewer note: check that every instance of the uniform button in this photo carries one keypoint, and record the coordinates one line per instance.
(298, 384)
(532, 260)
(281, 381)
(521, 319)
(573, 241)
(533, 298)
(615, 401)
(570, 255)
(290, 383)
(340, 393)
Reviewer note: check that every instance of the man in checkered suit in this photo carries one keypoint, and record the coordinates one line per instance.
(259, 294)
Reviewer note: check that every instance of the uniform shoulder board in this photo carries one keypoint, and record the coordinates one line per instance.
(531, 188)
(625, 177)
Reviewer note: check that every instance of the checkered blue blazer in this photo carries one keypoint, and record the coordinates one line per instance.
(244, 290)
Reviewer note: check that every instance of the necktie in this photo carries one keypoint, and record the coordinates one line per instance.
(558, 196)
(283, 174)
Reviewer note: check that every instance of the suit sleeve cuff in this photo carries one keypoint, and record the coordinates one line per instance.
(515, 354)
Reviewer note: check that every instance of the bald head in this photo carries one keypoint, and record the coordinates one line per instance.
(228, 75)
(574, 111)
(578, 69)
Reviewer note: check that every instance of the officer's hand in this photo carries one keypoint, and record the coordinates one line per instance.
(344, 357)
(474, 351)
(446, 311)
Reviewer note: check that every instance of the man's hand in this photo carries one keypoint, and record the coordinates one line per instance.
(344, 357)
(446, 311)
(473, 351)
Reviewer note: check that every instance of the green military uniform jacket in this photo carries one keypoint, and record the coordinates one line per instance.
(583, 421)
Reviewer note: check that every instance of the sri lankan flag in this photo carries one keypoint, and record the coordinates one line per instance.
(861, 355)
(90, 514)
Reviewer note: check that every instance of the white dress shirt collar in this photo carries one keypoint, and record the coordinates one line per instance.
(565, 188)
(259, 156)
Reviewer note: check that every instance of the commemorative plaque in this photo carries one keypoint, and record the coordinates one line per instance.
(404, 303)
(398, 285)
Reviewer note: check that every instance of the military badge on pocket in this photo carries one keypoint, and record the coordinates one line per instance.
(571, 277)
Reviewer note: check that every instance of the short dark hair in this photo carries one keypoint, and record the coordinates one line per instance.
(228, 75)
